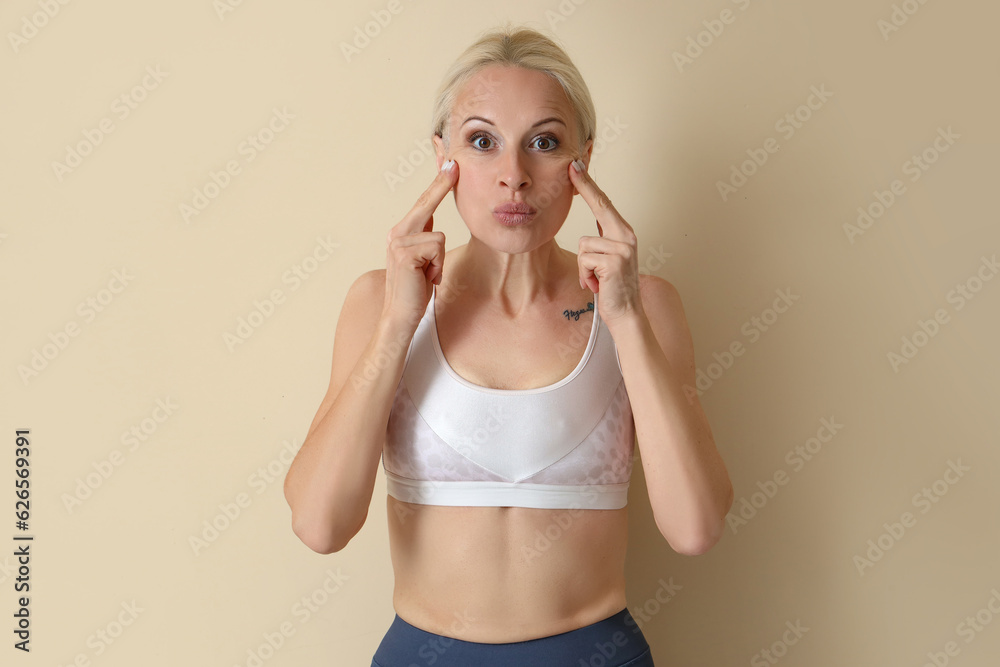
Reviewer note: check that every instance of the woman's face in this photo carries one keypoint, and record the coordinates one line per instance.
(513, 133)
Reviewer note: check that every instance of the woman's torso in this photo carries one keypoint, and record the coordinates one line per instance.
(505, 574)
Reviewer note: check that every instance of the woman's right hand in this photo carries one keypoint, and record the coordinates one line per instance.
(415, 254)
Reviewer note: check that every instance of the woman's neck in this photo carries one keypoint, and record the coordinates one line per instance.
(512, 281)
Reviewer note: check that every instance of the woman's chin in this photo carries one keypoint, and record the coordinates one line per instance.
(511, 240)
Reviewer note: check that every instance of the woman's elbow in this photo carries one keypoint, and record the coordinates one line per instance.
(320, 538)
(318, 543)
(698, 546)
(698, 542)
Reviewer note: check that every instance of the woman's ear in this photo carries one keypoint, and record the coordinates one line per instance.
(439, 150)
(587, 151)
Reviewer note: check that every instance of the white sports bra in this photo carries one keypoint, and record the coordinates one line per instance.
(566, 445)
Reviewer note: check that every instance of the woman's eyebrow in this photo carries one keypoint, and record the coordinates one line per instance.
(550, 119)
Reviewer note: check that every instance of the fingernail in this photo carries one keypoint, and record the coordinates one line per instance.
(448, 165)
(579, 166)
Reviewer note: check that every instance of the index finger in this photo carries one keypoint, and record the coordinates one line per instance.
(605, 212)
(419, 218)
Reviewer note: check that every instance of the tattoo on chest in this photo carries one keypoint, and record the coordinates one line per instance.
(575, 314)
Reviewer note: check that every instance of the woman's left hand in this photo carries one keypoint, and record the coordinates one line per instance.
(608, 263)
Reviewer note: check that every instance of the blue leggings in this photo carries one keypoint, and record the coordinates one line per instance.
(616, 641)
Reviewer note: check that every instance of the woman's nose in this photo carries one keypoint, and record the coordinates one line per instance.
(513, 170)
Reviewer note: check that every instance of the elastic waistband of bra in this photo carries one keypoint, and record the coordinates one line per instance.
(500, 494)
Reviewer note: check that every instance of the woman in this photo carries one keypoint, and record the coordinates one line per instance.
(503, 398)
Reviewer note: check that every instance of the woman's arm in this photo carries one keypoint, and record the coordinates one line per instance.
(330, 482)
(689, 487)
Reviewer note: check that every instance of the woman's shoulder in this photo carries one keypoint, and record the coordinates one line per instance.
(369, 283)
(365, 296)
(660, 299)
(653, 285)
(665, 311)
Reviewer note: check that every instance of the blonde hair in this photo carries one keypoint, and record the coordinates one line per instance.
(523, 47)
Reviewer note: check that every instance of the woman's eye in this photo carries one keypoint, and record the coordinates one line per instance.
(549, 143)
(476, 138)
(483, 142)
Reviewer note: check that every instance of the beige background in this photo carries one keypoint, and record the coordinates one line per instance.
(669, 135)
